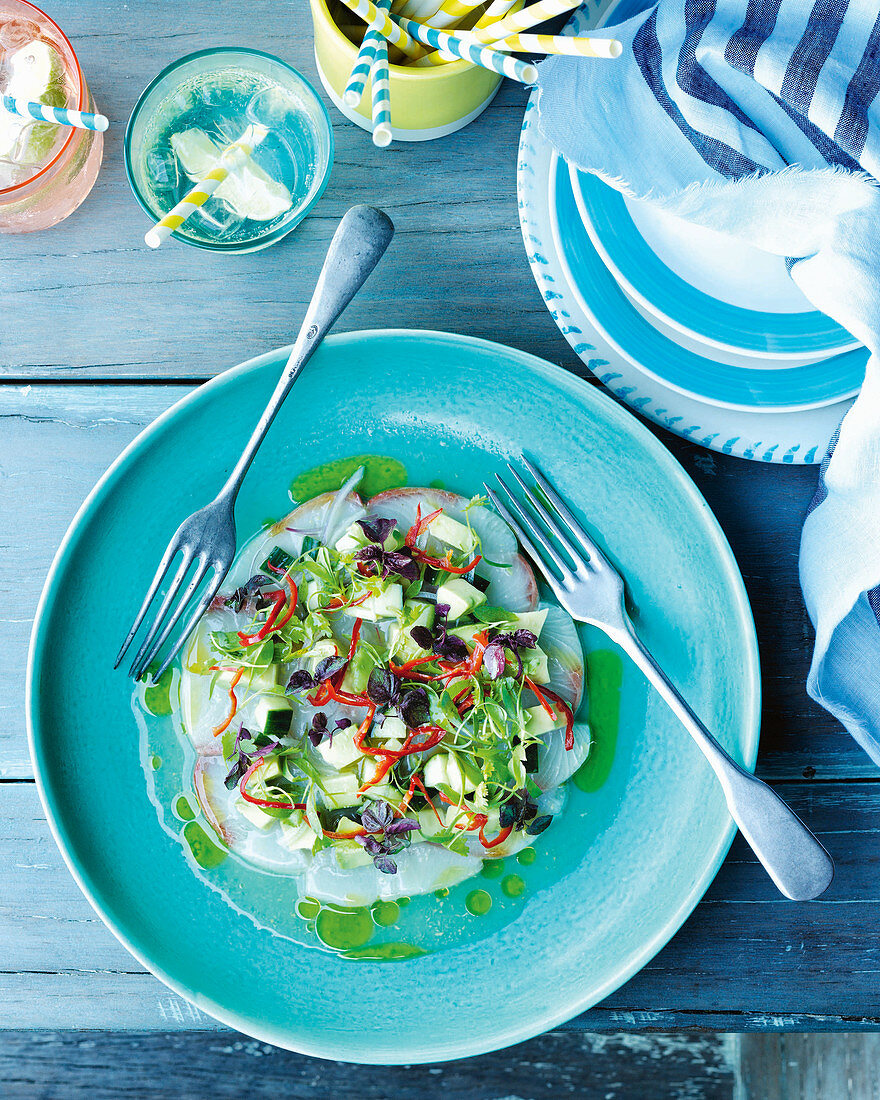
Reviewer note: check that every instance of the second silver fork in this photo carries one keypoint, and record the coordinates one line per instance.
(592, 591)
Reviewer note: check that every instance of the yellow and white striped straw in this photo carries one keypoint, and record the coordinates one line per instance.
(232, 157)
(381, 22)
(495, 11)
(559, 44)
(522, 20)
(451, 12)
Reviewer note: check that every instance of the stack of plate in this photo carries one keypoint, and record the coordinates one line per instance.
(707, 336)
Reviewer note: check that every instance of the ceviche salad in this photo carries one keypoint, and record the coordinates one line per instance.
(378, 701)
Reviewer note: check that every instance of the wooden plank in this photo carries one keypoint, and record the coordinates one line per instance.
(453, 202)
(821, 1067)
(56, 441)
(746, 959)
(66, 1065)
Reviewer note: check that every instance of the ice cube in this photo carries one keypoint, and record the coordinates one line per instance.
(162, 170)
(220, 221)
(15, 33)
(270, 107)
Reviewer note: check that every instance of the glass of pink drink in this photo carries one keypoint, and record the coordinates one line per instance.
(46, 170)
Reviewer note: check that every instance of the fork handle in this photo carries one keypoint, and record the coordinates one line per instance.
(792, 856)
(358, 244)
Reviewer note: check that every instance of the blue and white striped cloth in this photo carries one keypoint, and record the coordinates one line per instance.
(760, 118)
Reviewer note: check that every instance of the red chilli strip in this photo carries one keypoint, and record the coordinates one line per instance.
(293, 591)
(569, 717)
(502, 836)
(268, 626)
(541, 698)
(242, 787)
(416, 782)
(233, 704)
(355, 636)
(444, 564)
(419, 526)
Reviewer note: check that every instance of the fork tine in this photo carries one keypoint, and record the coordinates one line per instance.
(153, 644)
(565, 513)
(535, 531)
(200, 609)
(166, 603)
(549, 522)
(549, 576)
(168, 557)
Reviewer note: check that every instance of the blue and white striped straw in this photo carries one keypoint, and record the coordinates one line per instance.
(79, 120)
(379, 75)
(357, 81)
(494, 60)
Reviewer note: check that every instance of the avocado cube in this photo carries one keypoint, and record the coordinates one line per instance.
(460, 596)
(340, 750)
(450, 531)
(539, 722)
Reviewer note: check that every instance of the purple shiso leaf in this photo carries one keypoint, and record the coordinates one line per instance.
(343, 723)
(404, 825)
(299, 682)
(493, 660)
(395, 561)
(377, 528)
(370, 553)
(329, 667)
(319, 729)
(423, 637)
(382, 687)
(242, 594)
(386, 865)
(377, 817)
(373, 846)
(415, 708)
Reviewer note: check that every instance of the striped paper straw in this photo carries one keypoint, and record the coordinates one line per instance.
(522, 71)
(232, 157)
(357, 81)
(451, 12)
(560, 44)
(495, 11)
(522, 20)
(64, 116)
(380, 21)
(379, 76)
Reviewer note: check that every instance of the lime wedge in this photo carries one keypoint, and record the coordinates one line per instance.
(37, 76)
(249, 191)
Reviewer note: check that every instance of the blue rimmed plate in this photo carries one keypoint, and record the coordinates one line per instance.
(810, 385)
(787, 327)
(639, 841)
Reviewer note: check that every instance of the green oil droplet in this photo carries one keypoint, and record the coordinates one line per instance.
(183, 809)
(403, 902)
(308, 908)
(386, 952)
(437, 484)
(492, 868)
(604, 679)
(204, 851)
(344, 929)
(526, 857)
(442, 893)
(155, 763)
(385, 913)
(157, 697)
(478, 902)
(380, 473)
(267, 523)
(513, 886)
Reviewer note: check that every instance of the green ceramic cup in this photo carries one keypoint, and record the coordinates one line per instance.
(425, 103)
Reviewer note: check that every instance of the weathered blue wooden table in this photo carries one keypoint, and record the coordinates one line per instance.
(98, 336)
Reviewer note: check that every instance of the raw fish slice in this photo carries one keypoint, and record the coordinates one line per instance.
(514, 588)
(560, 641)
(420, 869)
(556, 763)
(257, 846)
(308, 519)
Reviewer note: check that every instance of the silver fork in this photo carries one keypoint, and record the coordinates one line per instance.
(207, 537)
(591, 590)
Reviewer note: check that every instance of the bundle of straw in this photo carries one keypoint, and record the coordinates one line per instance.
(434, 32)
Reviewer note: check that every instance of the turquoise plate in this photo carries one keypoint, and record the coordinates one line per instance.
(623, 866)
(686, 307)
(789, 388)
